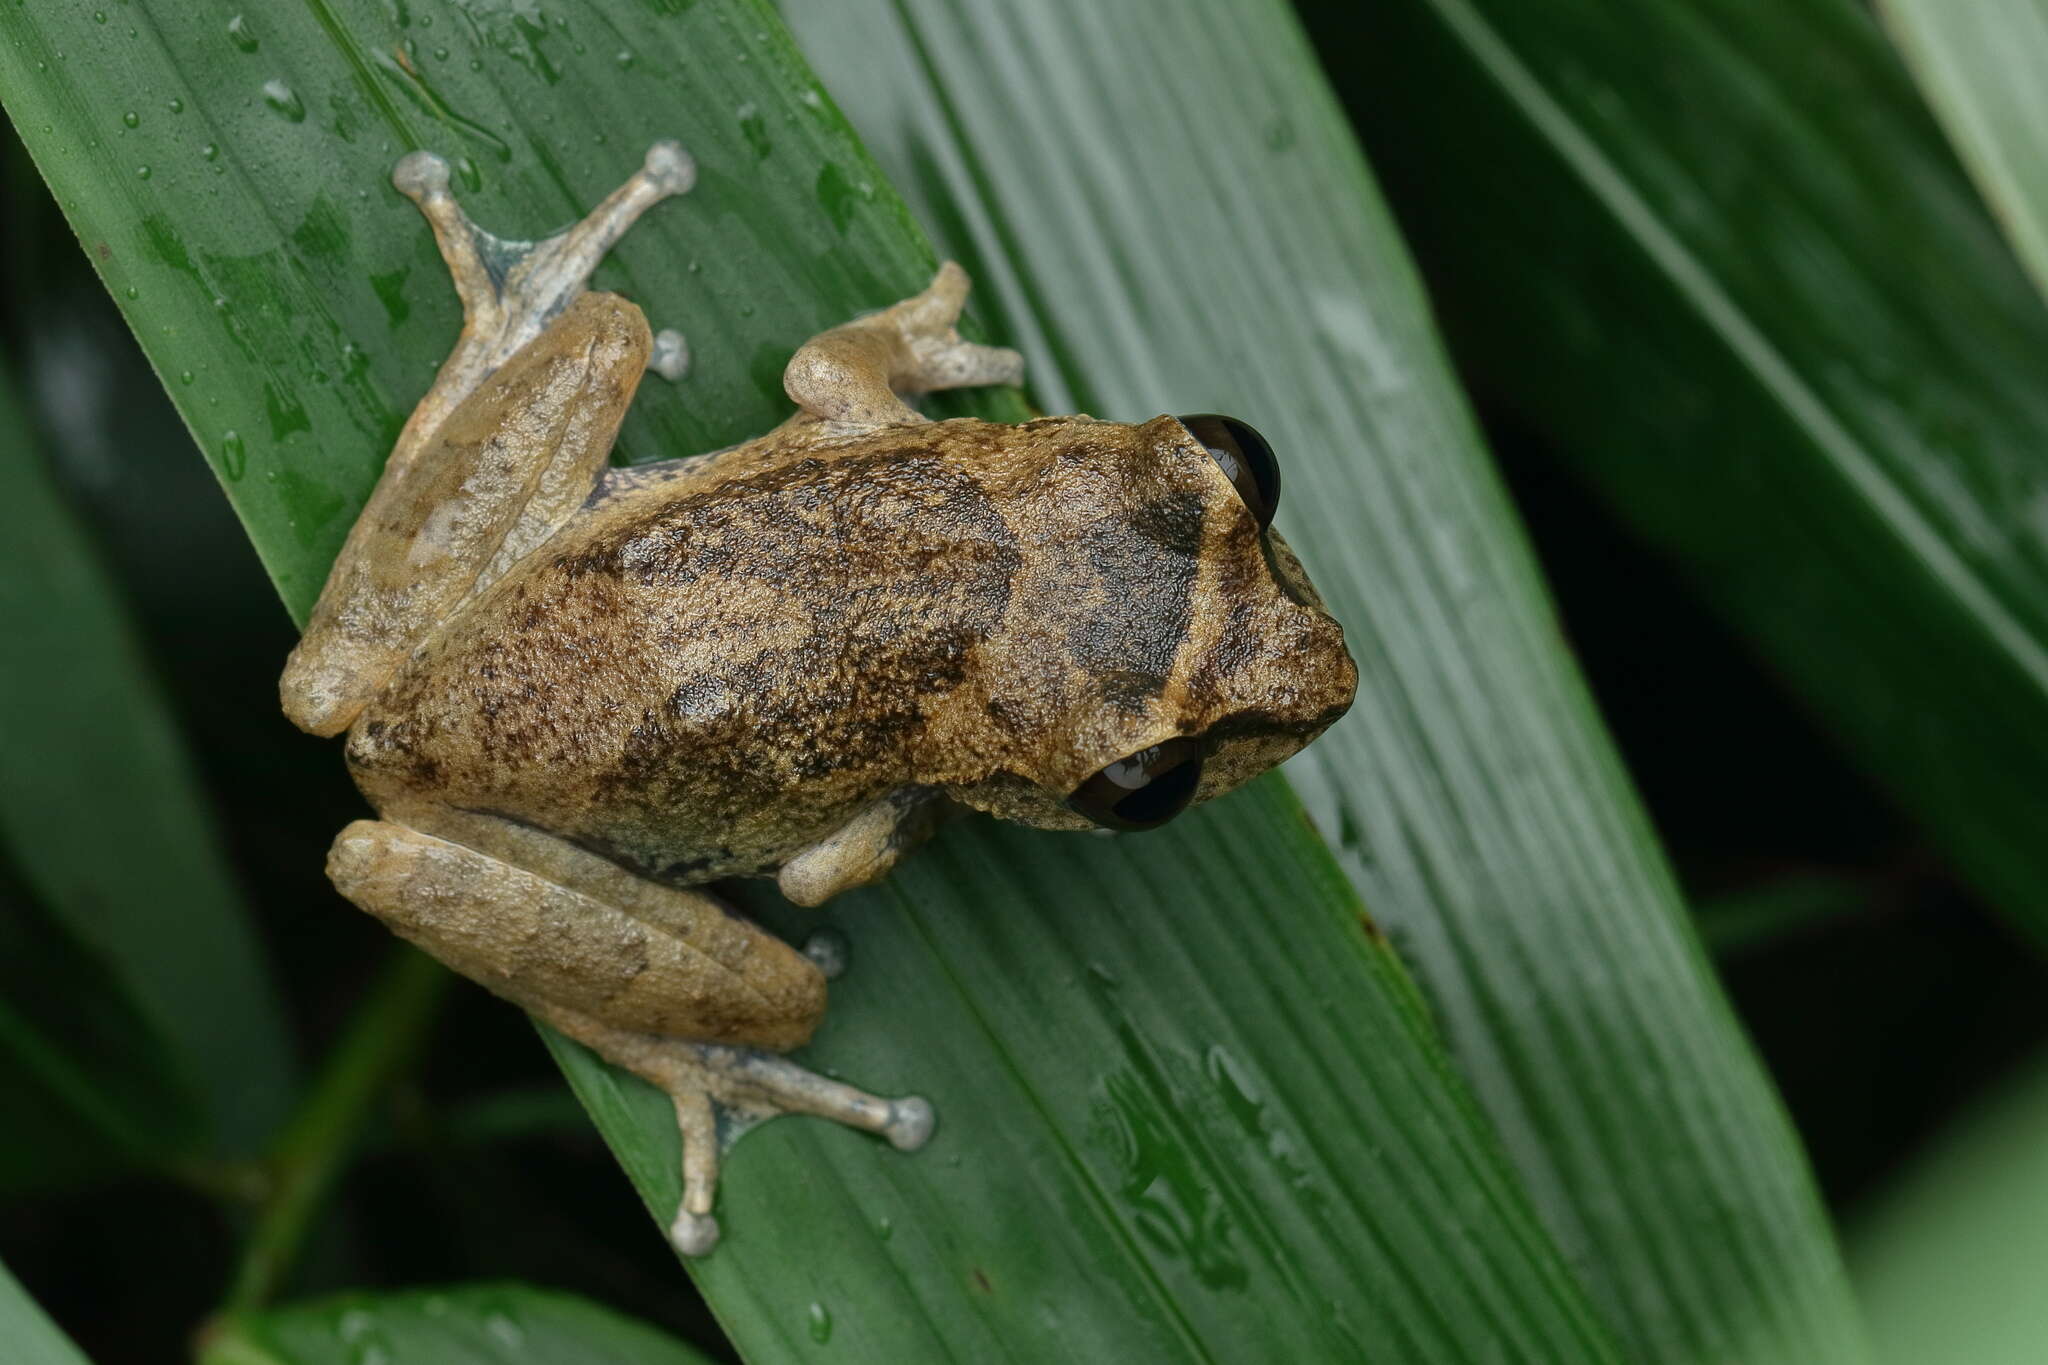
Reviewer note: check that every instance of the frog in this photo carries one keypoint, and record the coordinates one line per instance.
(579, 694)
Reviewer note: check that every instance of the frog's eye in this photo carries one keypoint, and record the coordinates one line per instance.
(1245, 459)
(1147, 789)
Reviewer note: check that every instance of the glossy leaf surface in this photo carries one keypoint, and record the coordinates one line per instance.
(490, 1324)
(1980, 67)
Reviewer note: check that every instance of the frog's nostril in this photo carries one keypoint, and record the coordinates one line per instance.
(1288, 573)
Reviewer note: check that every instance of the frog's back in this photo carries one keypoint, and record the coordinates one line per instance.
(703, 674)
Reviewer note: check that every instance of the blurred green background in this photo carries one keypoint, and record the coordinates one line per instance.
(1592, 198)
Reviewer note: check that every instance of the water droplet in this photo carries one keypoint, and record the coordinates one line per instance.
(131, 291)
(241, 35)
(210, 151)
(624, 57)
(501, 1326)
(177, 106)
(184, 376)
(885, 1229)
(285, 100)
(234, 456)
(440, 54)
(99, 16)
(819, 1319)
(132, 119)
(142, 172)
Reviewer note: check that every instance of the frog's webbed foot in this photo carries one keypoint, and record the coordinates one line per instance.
(856, 374)
(511, 290)
(749, 1085)
(662, 981)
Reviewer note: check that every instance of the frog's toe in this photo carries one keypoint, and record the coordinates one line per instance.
(669, 168)
(693, 1234)
(911, 1123)
(420, 174)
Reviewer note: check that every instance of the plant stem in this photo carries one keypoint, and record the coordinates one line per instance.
(379, 1039)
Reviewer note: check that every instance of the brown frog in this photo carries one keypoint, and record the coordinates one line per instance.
(574, 693)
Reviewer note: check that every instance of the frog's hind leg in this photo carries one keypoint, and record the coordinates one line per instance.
(504, 448)
(511, 290)
(665, 983)
(855, 376)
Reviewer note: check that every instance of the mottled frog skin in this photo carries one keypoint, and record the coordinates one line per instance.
(574, 693)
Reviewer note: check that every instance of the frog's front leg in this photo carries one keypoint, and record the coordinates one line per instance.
(856, 374)
(502, 450)
(863, 849)
(665, 983)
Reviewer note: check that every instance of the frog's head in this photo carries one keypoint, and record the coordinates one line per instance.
(1161, 643)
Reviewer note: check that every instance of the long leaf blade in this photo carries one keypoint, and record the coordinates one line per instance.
(1781, 337)
(1946, 1259)
(1980, 67)
(32, 1339)
(139, 881)
(1176, 219)
(1109, 1222)
(471, 1324)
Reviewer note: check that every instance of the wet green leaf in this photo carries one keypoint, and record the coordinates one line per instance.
(1980, 67)
(488, 1324)
(1171, 216)
(135, 993)
(1145, 1148)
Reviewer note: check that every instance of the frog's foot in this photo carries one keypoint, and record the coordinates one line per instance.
(510, 290)
(750, 1085)
(854, 374)
(636, 971)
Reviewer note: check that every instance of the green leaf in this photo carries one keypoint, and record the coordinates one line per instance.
(92, 1085)
(139, 896)
(1980, 67)
(1776, 331)
(1949, 1262)
(1171, 216)
(32, 1339)
(479, 1324)
(1189, 1108)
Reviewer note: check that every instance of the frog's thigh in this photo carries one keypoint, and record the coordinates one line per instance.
(665, 983)
(540, 939)
(506, 469)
